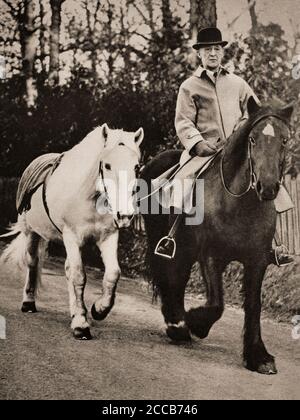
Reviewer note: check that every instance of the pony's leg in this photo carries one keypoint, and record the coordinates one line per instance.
(109, 252)
(34, 253)
(201, 319)
(76, 279)
(172, 283)
(256, 357)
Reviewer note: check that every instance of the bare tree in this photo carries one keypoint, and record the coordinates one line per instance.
(56, 6)
(26, 18)
(42, 37)
(203, 13)
(253, 15)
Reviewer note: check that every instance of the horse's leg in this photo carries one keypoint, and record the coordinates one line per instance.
(172, 283)
(34, 254)
(201, 319)
(256, 357)
(76, 279)
(109, 252)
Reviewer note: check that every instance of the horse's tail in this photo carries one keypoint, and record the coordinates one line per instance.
(14, 254)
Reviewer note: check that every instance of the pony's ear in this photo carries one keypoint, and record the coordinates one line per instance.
(252, 106)
(139, 136)
(287, 111)
(105, 131)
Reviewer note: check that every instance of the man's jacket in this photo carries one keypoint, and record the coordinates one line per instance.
(208, 110)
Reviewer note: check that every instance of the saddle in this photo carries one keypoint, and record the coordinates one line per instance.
(33, 177)
(194, 166)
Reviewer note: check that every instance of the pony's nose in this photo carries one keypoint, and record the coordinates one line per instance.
(267, 192)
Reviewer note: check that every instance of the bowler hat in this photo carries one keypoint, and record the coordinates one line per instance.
(209, 36)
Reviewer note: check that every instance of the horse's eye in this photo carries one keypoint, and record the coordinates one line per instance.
(107, 166)
(252, 141)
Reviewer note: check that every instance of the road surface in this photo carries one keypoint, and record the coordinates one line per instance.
(130, 356)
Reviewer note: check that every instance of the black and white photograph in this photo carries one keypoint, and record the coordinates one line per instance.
(149, 203)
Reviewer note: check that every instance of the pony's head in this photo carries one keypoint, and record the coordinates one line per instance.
(118, 172)
(268, 137)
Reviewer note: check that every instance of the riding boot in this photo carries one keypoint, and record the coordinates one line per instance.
(279, 255)
(166, 246)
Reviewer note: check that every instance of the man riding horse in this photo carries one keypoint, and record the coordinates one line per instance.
(211, 105)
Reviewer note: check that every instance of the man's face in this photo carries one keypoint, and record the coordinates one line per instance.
(211, 56)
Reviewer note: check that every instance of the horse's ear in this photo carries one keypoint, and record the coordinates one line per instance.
(139, 137)
(252, 106)
(287, 111)
(105, 131)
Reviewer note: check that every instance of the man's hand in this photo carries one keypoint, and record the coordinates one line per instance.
(203, 149)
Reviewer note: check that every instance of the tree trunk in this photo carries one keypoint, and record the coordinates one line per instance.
(54, 41)
(167, 23)
(203, 13)
(28, 49)
(253, 15)
(42, 38)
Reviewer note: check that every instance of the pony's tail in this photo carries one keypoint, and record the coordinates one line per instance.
(14, 254)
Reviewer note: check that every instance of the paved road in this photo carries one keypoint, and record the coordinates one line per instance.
(130, 356)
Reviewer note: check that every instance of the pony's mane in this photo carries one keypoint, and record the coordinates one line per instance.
(92, 139)
(243, 132)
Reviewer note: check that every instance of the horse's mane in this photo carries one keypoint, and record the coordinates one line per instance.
(239, 137)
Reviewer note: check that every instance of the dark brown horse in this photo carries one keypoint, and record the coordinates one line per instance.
(239, 224)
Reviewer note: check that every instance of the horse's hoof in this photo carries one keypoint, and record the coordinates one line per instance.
(198, 327)
(178, 334)
(82, 334)
(100, 316)
(264, 368)
(28, 307)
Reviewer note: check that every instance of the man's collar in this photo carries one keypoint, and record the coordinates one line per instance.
(200, 71)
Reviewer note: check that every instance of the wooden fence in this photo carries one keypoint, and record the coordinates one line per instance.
(288, 224)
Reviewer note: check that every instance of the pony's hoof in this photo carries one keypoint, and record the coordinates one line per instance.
(178, 334)
(82, 334)
(100, 316)
(264, 368)
(198, 327)
(28, 307)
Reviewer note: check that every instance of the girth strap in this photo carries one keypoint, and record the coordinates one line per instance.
(44, 196)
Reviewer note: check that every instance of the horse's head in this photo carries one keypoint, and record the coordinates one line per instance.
(118, 172)
(268, 136)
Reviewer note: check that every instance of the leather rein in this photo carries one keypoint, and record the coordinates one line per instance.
(253, 176)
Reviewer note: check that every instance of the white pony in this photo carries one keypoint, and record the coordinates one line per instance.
(72, 204)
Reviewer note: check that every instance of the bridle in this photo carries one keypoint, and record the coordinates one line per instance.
(253, 177)
(109, 206)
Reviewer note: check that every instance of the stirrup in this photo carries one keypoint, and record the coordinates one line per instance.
(160, 243)
(281, 249)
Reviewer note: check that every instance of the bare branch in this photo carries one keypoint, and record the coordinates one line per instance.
(245, 10)
(146, 20)
(10, 6)
(141, 35)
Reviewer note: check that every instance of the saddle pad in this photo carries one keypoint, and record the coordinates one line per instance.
(33, 177)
